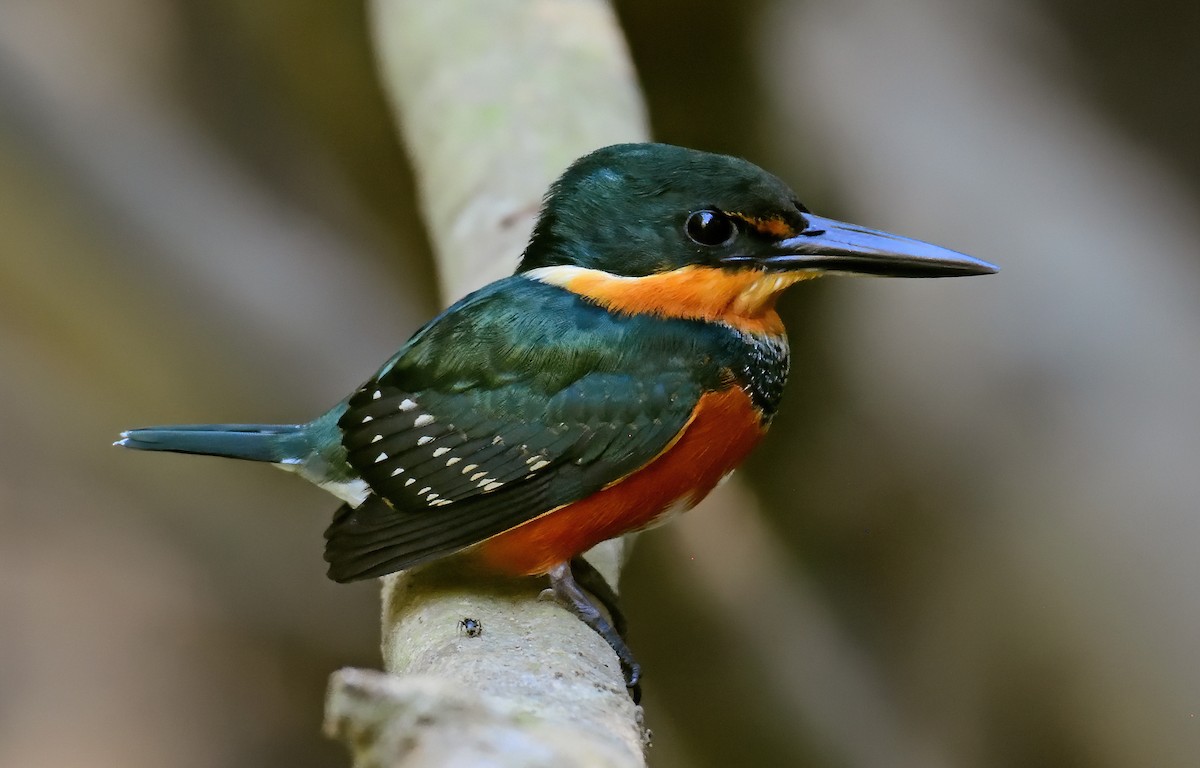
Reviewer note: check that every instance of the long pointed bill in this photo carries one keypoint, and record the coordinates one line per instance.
(834, 246)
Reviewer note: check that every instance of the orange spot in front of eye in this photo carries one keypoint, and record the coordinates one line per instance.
(775, 227)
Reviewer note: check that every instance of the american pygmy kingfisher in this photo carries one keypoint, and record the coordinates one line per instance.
(631, 362)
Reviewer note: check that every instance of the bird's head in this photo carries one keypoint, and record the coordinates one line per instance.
(682, 220)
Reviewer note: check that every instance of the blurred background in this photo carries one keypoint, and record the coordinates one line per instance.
(977, 543)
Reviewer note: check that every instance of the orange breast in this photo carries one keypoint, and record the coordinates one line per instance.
(723, 430)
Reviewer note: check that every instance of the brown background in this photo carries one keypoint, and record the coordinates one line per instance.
(980, 529)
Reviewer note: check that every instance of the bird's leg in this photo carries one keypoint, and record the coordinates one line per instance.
(562, 583)
(591, 579)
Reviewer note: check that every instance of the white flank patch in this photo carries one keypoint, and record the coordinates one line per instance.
(353, 492)
(682, 504)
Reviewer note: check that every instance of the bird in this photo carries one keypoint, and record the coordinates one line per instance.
(631, 362)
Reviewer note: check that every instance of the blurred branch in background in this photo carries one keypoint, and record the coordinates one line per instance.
(1077, 561)
(779, 621)
(147, 275)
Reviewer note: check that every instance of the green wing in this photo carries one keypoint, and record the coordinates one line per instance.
(494, 414)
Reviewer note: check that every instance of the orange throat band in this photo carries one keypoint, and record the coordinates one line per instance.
(742, 299)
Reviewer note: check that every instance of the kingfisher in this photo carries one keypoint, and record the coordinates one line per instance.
(630, 363)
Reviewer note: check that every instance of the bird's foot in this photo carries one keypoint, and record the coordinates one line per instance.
(591, 580)
(571, 596)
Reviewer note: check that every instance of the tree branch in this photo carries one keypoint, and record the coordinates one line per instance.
(494, 99)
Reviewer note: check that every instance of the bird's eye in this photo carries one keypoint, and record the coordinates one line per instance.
(711, 228)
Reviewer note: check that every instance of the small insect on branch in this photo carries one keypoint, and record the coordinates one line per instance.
(470, 627)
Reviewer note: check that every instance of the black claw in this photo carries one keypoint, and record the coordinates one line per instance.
(633, 680)
(633, 673)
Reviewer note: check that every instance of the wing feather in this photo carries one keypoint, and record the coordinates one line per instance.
(459, 447)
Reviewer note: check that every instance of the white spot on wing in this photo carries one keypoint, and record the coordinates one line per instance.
(426, 439)
(377, 395)
(423, 420)
(367, 418)
(538, 465)
(478, 475)
(450, 462)
(377, 438)
(397, 471)
(409, 482)
(469, 467)
(407, 405)
(492, 486)
(425, 490)
(381, 457)
(441, 451)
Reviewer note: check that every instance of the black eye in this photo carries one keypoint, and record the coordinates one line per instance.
(711, 228)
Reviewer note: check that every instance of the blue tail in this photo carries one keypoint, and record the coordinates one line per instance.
(277, 443)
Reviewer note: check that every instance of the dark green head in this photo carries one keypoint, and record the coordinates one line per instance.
(642, 209)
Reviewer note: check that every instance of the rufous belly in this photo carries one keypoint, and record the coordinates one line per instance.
(723, 430)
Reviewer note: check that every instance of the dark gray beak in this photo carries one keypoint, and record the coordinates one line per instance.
(833, 246)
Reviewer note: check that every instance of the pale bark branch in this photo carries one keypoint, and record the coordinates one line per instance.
(494, 99)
